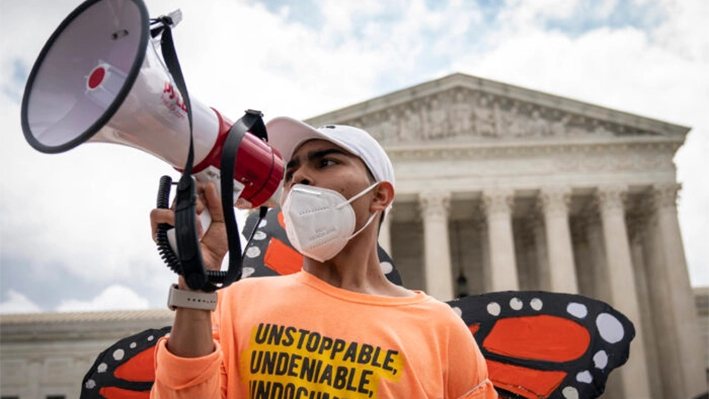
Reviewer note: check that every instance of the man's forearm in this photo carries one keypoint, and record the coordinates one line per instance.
(191, 334)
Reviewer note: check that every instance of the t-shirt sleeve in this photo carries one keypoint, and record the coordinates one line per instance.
(484, 390)
(467, 371)
(178, 377)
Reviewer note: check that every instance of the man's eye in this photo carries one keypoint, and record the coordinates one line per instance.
(327, 162)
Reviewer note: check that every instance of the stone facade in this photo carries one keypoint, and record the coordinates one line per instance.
(511, 189)
(46, 355)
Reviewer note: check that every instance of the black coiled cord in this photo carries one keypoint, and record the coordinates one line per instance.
(164, 248)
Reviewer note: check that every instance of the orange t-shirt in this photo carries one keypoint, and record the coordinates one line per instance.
(297, 337)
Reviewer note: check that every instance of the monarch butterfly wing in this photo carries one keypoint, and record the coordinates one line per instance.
(125, 370)
(547, 345)
(269, 253)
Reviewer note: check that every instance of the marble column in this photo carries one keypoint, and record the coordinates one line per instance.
(385, 233)
(481, 226)
(562, 272)
(661, 321)
(34, 376)
(597, 250)
(582, 258)
(540, 249)
(503, 267)
(637, 227)
(682, 340)
(525, 256)
(434, 207)
(621, 284)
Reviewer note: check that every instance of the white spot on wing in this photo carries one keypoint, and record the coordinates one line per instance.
(600, 359)
(118, 354)
(516, 303)
(610, 328)
(493, 308)
(570, 393)
(457, 311)
(584, 376)
(253, 252)
(577, 309)
(536, 304)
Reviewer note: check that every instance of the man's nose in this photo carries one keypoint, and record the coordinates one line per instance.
(301, 176)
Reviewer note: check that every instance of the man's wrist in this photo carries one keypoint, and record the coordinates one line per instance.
(178, 298)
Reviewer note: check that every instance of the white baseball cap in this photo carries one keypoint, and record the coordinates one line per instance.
(287, 134)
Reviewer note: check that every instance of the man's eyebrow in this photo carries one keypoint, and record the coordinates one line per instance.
(316, 155)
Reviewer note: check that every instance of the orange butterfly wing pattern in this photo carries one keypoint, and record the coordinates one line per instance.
(126, 370)
(547, 345)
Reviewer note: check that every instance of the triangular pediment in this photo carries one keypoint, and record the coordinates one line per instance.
(463, 108)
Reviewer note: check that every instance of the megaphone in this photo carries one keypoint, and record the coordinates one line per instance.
(100, 78)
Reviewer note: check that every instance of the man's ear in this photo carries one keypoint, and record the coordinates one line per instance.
(383, 196)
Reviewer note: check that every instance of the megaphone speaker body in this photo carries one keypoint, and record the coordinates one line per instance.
(99, 78)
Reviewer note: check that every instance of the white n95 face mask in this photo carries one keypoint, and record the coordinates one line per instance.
(320, 221)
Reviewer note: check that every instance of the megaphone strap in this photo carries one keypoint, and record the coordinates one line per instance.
(186, 202)
(191, 263)
(252, 120)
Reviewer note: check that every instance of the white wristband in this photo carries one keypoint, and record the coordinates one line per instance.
(178, 298)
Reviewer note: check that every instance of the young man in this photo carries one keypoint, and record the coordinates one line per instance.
(336, 329)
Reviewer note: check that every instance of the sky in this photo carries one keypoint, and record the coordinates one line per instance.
(74, 227)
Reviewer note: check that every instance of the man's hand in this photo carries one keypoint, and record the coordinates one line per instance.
(213, 241)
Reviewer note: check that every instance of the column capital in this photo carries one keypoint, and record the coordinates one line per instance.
(611, 197)
(500, 200)
(479, 216)
(637, 225)
(434, 203)
(535, 220)
(554, 200)
(665, 195)
(578, 232)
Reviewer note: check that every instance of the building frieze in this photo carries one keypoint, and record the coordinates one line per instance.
(461, 108)
(560, 157)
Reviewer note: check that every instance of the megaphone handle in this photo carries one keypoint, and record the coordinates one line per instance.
(167, 235)
(210, 174)
(205, 219)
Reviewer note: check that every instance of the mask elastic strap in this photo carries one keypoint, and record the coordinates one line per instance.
(365, 191)
(361, 193)
(363, 227)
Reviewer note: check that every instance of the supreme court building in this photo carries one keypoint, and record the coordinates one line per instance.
(497, 188)
(503, 188)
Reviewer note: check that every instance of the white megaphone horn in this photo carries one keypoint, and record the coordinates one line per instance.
(99, 78)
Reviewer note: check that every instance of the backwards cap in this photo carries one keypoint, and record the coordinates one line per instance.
(287, 134)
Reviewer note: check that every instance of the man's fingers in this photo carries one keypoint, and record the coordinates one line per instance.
(214, 203)
(160, 216)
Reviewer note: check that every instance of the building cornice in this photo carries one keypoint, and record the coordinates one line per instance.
(509, 93)
(44, 327)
